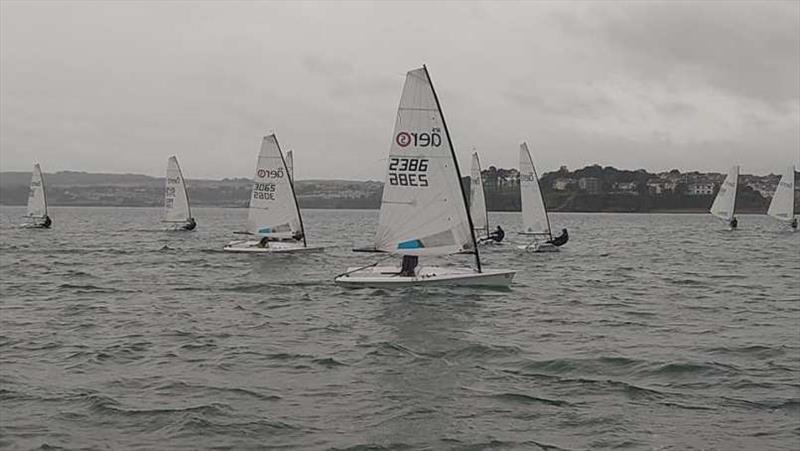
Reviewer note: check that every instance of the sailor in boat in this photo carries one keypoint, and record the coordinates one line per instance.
(498, 235)
(793, 224)
(561, 239)
(734, 222)
(190, 225)
(47, 222)
(409, 266)
(296, 236)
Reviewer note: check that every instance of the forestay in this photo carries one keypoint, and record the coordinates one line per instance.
(534, 213)
(37, 200)
(477, 199)
(423, 209)
(176, 199)
(273, 208)
(725, 202)
(782, 205)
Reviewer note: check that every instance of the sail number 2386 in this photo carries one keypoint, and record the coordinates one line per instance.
(408, 171)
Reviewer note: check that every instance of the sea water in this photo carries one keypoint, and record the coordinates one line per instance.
(645, 332)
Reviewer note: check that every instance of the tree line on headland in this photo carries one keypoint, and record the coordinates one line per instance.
(590, 189)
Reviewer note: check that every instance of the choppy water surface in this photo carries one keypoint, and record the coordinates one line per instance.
(647, 332)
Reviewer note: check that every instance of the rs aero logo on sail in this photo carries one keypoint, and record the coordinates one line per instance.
(424, 139)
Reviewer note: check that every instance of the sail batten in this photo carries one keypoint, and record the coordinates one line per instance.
(725, 203)
(273, 209)
(37, 198)
(534, 212)
(782, 205)
(176, 197)
(424, 208)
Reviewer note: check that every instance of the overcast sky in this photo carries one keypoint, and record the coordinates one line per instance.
(118, 87)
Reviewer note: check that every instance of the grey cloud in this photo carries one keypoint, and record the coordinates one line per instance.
(747, 48)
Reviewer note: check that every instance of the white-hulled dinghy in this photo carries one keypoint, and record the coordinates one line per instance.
(535, 221)
(477, 204)
(424, 208)
(177, 211)
(36, 217)
(274, 216)
(782, 205)
(725, 203)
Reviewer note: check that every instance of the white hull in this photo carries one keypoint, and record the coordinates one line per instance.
(540, 247)
(178, 228)
(273, 247)
(30, 225)
(489, 242)
(389, 276)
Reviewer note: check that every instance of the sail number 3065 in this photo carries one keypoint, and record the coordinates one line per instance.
(408, 171)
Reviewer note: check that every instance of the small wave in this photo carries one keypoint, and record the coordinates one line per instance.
(374, 447)
(501, 444)
(792, 405)
(685, 406)
(183, 388)
(689, 369)
(528, 399)
(88, 288)
(107, 405)
(481, 351)
(757, 351)
(198, 346)
(328, 362)
(204, 426)
(382, 347)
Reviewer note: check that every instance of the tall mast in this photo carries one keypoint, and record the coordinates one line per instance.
(458, 171)
(294, 195)
(541, 193)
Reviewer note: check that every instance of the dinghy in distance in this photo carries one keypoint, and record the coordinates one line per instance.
(424, 207)
(535, 221)
(782, 205)
(36, 217)
(177, 211)
(273, 217)
(725, 203)
(477, 205)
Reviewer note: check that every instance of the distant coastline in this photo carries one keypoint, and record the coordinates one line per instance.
(590, 189)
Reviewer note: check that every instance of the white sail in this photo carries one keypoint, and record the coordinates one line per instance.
(37, 199)
(176, 199)
(725, 202)
(534, 212)
(290, 164)
(477, 199)
(273, 207)
(423, 209)
(782, 205)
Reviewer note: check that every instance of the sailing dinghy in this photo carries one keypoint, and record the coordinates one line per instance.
(424, 207)
(535, 221)
(477, 204)
(725, 202)
(36, 217)
(273, 218)
(177, 212)
(782, 205)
